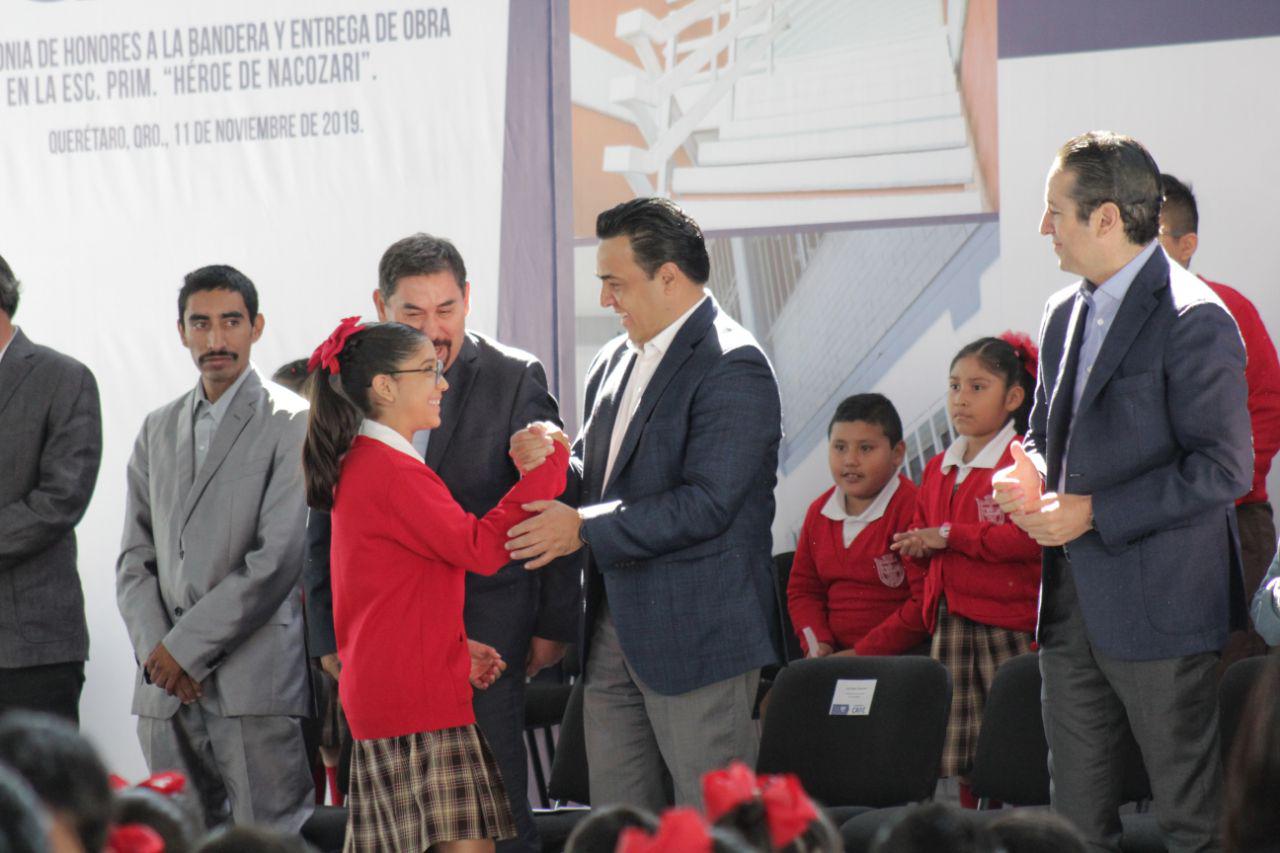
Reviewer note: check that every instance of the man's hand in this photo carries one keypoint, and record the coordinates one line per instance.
(330, 664)
(1060, 519)
(166, 673)
(1017, 488)
(920, 543)
(552, 533)
(542, 654)
(531, 445)
(486, 664)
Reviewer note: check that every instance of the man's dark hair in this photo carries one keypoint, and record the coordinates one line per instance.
(1109, 167)
(873, 409)
(21, 829)
(218, 277)
(419, 254)
(63, 769)
(10, 289)
(1181, 216)
(660, 232)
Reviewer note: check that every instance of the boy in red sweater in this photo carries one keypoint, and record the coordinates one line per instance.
(849, 593)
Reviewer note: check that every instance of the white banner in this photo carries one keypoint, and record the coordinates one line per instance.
(292, 140)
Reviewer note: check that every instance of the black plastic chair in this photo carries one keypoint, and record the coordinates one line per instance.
(1233, 694)
(1011, 759)
(781, 576)
(888, 757)
(569, 787)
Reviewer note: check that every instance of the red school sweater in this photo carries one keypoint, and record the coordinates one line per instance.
(399, 552)
(863, 597)
(990, 569)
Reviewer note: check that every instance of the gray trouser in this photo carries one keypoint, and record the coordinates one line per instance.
(637, 737)
(1088, 700)
(249, 769)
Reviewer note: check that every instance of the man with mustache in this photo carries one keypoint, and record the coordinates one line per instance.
(494, 392)
(209, 570)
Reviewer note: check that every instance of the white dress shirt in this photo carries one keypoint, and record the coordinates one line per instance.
(647, 357)
(988, 457)
(855, 524)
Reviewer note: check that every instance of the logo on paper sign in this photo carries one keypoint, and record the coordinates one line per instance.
(889, 567)
(990, 511)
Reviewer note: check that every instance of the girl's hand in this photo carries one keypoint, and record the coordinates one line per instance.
(915, 544)
(486, 664)
(531, 445)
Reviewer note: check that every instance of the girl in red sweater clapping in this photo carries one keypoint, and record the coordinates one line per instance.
(422, 776)
(984, 573)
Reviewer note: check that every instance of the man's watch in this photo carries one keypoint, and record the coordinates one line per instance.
(582, 531)
(944, 530)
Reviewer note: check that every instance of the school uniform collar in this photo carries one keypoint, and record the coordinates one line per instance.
(834, 507)
(370, 428)
(988, 457)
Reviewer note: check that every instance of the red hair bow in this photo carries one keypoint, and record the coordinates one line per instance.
(168, 783)
(787, 807)
(1025, 348)
(725, 790)
(134, 838)
(682, 830)
(326, 355)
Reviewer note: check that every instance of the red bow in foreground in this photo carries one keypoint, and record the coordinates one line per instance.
(788, 809)
(134, 838)
(682, 830)
(326, 355)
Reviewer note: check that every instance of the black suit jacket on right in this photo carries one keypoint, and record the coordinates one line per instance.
(494, 391)
(50, 450)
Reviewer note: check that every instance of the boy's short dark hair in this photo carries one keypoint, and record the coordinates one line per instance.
(873, 409)
(1026, 831)
(63, 769)
(252, 839)
(218, 277)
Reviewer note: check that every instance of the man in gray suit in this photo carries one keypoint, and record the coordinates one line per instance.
(678, 460)
(208, 576)
(49, 456)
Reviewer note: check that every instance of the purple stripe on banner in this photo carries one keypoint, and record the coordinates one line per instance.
(1041, 27)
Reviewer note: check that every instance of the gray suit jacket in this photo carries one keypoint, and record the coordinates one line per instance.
(211, 559)
(49, 456)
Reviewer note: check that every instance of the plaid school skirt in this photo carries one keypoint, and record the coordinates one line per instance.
(410, 792)
(971, 652)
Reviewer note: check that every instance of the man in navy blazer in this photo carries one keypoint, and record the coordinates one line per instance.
(677, 459)
(1141, 428)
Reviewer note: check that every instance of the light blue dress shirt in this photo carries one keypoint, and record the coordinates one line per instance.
(209, 415)
(1104, 302)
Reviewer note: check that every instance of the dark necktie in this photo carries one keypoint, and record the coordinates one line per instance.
(1064, 399)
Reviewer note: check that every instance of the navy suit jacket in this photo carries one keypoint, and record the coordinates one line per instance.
(1161, 441)
(494, 391)
(679, 537)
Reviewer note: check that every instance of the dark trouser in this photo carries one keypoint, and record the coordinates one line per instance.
(503, 618)
(1257, 547)
(53, 688)
(1088, 699)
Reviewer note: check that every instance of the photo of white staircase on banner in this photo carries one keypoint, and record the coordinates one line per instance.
(766, 113)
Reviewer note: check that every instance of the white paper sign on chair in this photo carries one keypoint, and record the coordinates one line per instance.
(852, 697)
